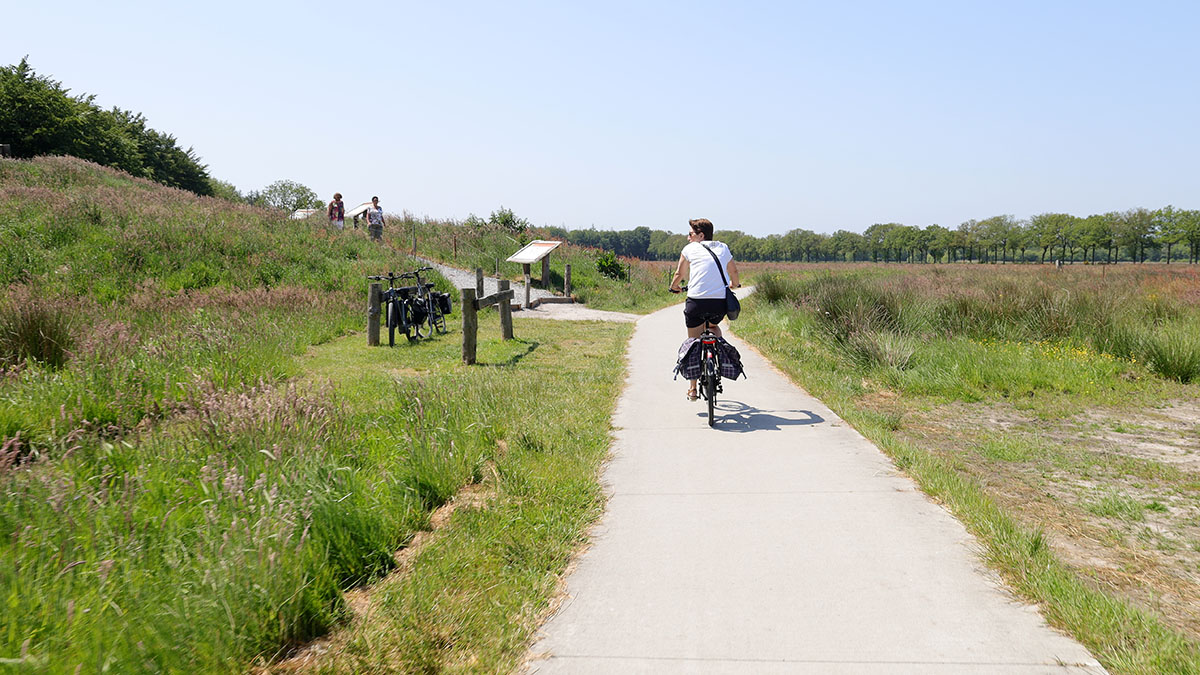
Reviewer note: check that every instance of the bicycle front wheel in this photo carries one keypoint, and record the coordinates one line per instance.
(393, 322)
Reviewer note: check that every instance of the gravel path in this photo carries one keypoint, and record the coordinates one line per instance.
(465, 279)
(562, 312)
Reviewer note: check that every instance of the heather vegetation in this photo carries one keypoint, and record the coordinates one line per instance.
(1053, 410)
(187, 486)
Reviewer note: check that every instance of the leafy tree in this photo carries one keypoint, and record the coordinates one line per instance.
(1136, 231)
(1171, 227)
(1093, 233)
(508, 220)
(35, 112)
(969, 232)
(224, 190)
(1191, 225)
(286, 195)
(848, 244)
(939, 240)
(38, 116)
(874, 236)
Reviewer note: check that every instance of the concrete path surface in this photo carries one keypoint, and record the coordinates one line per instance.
(781, 541)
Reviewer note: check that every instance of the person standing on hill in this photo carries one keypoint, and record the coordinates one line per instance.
(702, 261)
(337, 212)
(375, 219)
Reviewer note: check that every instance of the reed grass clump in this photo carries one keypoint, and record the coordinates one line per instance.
(1173, 351)
(36, 328)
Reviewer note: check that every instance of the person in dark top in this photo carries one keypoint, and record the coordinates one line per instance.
(337, 212)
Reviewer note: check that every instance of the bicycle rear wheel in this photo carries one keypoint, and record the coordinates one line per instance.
(710, 392)
(436, 318)
(406, 320)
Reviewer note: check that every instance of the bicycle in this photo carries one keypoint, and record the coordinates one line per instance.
(406, 308)
(432, 305)
(397, 306)
(708, 384)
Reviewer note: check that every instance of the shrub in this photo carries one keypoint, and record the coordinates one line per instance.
(608, 265)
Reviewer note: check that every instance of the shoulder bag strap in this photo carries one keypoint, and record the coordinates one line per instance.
(720, 267)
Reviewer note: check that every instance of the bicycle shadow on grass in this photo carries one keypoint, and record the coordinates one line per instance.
(737, 417)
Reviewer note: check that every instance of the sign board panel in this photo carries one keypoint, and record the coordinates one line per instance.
(534, 251)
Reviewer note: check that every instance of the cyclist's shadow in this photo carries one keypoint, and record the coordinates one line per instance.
(738, 417)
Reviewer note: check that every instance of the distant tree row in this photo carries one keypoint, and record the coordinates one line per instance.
(38, 116)
(1136, 235)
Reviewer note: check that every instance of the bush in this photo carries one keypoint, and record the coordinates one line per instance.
(608, 265)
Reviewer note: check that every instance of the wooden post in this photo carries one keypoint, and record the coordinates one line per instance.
(479, 282)
(567, 281)
(470, 325)
(528, 283)
(456, 248)
(546, 272)
(506, 328)
(497, 268)
(374, 296)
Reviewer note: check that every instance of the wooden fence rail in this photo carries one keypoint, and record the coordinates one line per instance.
(470, 317)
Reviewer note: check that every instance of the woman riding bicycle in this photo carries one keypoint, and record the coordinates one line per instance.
(705, 304)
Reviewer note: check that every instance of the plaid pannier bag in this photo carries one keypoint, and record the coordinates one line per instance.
(688, 361)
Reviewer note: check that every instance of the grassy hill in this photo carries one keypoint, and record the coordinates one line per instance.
(121, 289)
(198, 455)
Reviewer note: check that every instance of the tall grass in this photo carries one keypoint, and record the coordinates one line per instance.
(35, 329)
(873, 314)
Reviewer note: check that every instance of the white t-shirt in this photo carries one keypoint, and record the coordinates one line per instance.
(704, 279)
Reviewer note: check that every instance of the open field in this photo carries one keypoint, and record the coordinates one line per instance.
(1054, 411)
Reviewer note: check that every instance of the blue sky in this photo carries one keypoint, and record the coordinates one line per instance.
(762, 116)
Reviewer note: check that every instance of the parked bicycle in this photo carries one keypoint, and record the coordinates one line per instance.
(407, 308)
(429, 306)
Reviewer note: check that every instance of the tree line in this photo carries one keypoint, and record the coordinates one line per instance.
(1135, 235)
(38, 116)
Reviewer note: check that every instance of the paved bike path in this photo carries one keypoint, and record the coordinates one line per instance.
(781, 541)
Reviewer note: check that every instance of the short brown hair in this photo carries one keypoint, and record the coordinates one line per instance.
(337, 195)
(702, 226)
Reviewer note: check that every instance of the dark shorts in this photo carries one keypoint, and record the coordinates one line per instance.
(696, 309)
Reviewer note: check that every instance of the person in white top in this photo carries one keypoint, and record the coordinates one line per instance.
(375, 219)
(706, 291)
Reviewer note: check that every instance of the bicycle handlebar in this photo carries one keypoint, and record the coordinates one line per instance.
(392, 276)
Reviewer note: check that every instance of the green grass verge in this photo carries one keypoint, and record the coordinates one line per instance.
(1123, 638)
